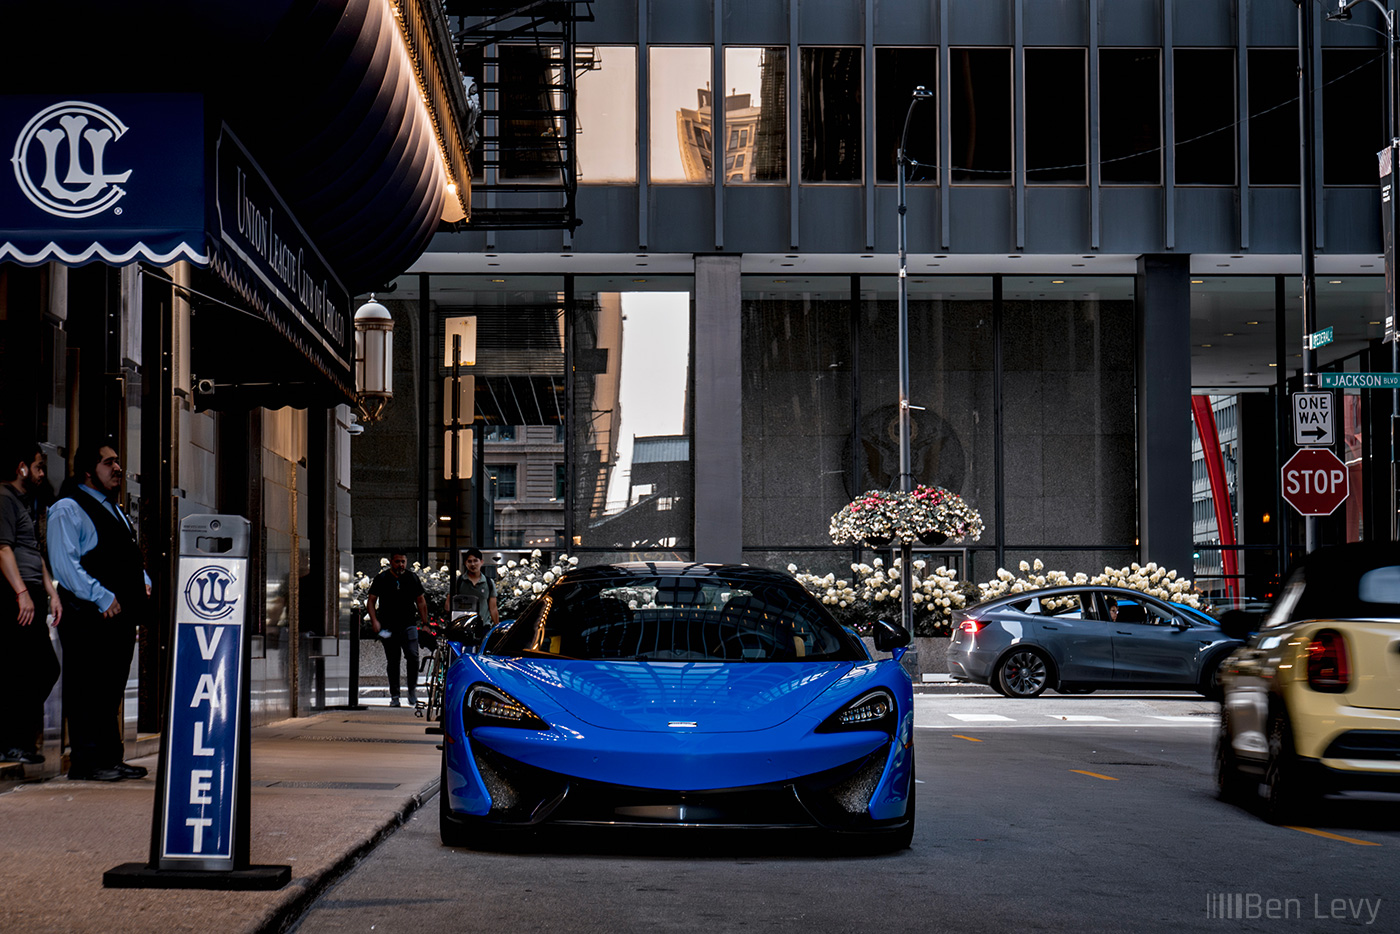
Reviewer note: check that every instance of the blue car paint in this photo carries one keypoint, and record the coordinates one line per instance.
(684, 759)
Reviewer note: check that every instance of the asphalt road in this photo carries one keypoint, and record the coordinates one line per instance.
(1070, 814)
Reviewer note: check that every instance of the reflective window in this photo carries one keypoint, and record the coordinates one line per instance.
(1273, 117)
(756, 115)
(980, 96)
(679, 112)
(633, 486)
(1130, 116)
(897, 73)
(530, 103)
(831, 88)
(797, 363)
(519, 395)
(503, 480)
(1353, 115)
(1056, 103)
(1205, 130)
(606, 132)
(498, 433)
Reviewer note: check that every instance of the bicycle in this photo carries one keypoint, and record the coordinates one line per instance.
(464, 628)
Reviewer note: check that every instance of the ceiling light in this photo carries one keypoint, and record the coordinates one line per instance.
(1198, 282)
(1205, 345)
(1229, 333)
(1057, 282)
(1251, 322)
(1334, 281)
(1273, 364)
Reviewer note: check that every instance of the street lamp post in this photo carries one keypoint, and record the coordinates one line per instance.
(906, 472)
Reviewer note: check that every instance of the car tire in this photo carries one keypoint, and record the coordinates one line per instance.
(461, 831)
(1208, 684)
(1023, 673)
(1287, 793)
(1231, 785)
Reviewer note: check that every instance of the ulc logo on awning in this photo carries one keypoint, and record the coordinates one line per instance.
(66, 144)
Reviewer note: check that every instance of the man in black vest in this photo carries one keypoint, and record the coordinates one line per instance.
(103, 583)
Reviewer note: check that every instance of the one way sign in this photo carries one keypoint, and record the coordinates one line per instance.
(1312, 419)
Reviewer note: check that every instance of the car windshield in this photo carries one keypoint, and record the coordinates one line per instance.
(1338, 586)
(688, 618)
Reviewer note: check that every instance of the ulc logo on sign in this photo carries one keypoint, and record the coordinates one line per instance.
(206, 594)
(65, 147)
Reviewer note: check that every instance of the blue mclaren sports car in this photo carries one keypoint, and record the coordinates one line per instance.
(677, 695)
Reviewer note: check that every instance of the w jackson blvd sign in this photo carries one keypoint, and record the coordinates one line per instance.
(1315, 482)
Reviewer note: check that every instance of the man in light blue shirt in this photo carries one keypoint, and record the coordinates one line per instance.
(102, 581)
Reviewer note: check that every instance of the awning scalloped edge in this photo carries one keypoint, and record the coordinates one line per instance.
(52, 252)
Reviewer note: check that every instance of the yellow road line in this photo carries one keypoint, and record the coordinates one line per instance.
(1107, 778)
(1332, 836)
(970, 739)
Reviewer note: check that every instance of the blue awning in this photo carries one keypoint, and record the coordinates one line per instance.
(111, 178)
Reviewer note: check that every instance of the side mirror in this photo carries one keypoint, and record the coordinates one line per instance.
(1239, 624)
(889, 636)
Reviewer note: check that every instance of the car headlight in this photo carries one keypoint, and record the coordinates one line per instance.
(488, 706)
(871, 711)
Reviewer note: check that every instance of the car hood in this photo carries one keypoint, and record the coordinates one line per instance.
(664, 697)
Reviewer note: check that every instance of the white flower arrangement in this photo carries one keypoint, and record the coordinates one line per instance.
(1150, 579)
(888, 516)
(874, 590)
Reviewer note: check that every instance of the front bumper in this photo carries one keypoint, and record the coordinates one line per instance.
(866, 794)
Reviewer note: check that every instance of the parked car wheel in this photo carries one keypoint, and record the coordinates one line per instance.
(1286, 791)
(458, 831)
(1231, 784)
(1024, 673)
(1209, 686)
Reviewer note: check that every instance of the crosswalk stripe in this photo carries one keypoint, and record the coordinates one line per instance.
(980, 717)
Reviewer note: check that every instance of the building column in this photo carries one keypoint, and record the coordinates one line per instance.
(718, 437)
(1163, 363)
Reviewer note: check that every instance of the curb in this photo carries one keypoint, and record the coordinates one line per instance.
(286, 916)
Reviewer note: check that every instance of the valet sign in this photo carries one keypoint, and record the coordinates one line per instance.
(197, 820)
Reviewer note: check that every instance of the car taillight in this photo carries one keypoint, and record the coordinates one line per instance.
(1328, 670)
(971, 625)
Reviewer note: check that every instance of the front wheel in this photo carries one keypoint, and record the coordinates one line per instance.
(1286, 790)
(1231, 785)
(1024, 673)
(460, 831)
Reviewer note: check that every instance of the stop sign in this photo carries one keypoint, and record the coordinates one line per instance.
(1315, 482)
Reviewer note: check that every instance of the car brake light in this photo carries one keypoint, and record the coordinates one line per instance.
(1328, 668)
(971, 625)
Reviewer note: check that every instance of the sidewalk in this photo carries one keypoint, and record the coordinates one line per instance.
(324, 789)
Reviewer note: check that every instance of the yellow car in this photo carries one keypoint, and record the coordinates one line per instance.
(1311, 703)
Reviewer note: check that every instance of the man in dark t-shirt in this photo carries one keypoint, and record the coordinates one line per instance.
(396, 606)
(28, 666)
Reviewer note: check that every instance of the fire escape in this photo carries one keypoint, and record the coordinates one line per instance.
(519, 61)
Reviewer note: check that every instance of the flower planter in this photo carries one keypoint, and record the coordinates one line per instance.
(878, 541)
(933, 539)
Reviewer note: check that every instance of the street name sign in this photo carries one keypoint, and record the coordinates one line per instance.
(1359, 380)
(1315, 482)
(1312, 419)
(1319, 338)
